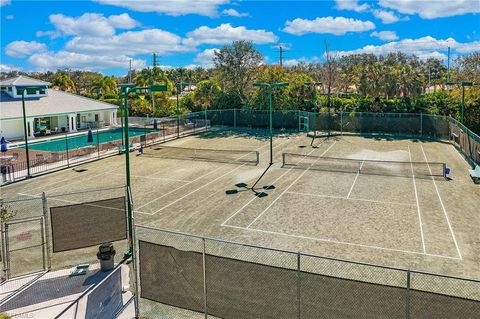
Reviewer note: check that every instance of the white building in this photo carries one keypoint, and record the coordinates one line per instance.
(48, 111)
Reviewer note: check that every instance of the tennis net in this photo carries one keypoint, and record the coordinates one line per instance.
(213, 155)
(369, 167)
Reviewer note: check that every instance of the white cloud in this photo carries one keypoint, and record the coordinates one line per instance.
(468, 47)
(234, 13)
(205, 58)
(225, 34)
(432, 55)
(20, 49)
(130, 42)
(433, 9)
(171, 7)
(64, 59)
(336, 26)
(88, 24)
(9, 68)
(293, 62)
(4, 2)
(123, 21)
(351, 5)
(10, 17)
(385, 35)
(423, 47)
(386, 16)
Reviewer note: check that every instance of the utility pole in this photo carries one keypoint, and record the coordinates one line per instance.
(281, 55)
(130, 72)
(155, 60)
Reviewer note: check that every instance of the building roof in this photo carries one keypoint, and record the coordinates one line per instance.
(55, 103)
(22, 80)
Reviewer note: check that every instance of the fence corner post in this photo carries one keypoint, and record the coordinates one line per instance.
(47, 233)
(299, 288)
(407, 304)
(204, 279)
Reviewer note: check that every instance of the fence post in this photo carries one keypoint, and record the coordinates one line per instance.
(204, 280)
(299, 287)
(136, 266)
(7, 254)
(66, 149)
(4, 249)
(407, 308)
(234, 118)
(341, 123)
(163, 131)
(421, 123)
(47, 233)
(98, 145)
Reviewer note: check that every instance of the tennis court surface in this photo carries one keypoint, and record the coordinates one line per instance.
(370, 199)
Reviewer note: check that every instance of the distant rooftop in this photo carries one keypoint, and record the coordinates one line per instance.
(54, 104)
(23, 80)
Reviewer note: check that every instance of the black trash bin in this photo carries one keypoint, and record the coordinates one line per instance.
(106, 255)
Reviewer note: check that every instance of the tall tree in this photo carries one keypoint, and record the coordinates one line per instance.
(206, 93)
(330, 72)
(102, 85)
(237, 63)
(63, 82)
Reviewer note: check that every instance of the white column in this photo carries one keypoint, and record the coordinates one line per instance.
(72, 122)
(75, 122)
(30, 125)
(114, 118)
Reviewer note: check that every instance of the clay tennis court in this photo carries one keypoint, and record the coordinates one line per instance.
(396, 214)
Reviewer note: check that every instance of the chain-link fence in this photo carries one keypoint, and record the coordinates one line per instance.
(186, 276)
(65, 150)
(57, 231)
(416, 125)
(51, 257)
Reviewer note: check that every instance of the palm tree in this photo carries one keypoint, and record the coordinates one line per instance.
(104, 85)
(63, 82)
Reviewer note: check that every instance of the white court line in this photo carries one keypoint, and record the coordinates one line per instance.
(338, 242)
(254, 198)
(355, 180)
(288, 187)
(352, 199)
(47, 184)
(74, 180)
(180, 187)
(155, 178)
(443, 207)
(210, 172)
(417, 201)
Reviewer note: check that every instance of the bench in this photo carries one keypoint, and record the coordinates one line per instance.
(475, 174)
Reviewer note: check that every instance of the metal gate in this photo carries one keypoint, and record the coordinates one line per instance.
(24, 247)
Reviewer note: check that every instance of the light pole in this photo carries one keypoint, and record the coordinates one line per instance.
(463, 84)
(126, 89)
(177, 85)
(23, 90)
(270, 87)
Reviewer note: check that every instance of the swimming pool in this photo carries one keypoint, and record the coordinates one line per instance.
(59, 144)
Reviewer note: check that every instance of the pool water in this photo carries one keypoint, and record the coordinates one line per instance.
(60, 144)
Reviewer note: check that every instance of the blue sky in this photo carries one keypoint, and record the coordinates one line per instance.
(103, 35)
